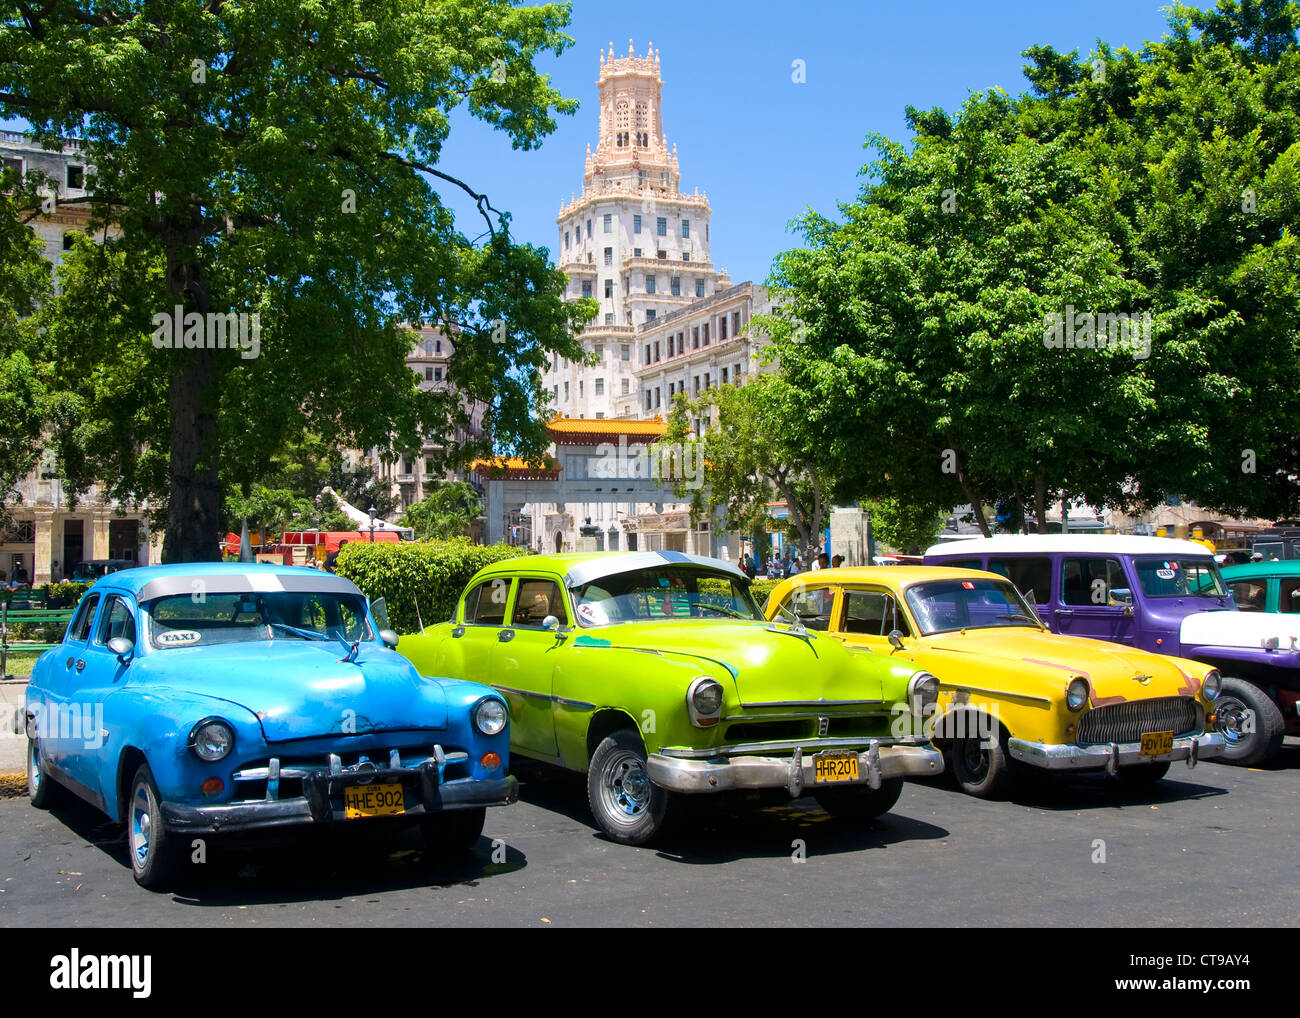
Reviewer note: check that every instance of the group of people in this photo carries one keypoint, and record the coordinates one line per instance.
(790, 564)
(18, 580)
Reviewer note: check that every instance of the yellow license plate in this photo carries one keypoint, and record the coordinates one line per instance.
(373, 801)
(829, 767)
(1157, 743)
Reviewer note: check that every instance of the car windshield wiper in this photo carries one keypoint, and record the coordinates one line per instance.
(306, 634)
(1021, 615)
(726, 610)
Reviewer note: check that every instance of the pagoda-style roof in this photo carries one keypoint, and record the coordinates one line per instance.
(585, 431)
(516, 468)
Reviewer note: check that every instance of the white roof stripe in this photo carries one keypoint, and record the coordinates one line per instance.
(1084, 544)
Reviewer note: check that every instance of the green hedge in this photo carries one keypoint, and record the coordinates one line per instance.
(760, 589)
(432, 573)
(65, 595)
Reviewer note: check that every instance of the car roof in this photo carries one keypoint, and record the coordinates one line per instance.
(1259, 570)
(1083, 544)
(583, 567)
(148, 582)
(890, 576)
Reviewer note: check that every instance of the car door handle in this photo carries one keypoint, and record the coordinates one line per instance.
(458, 632)
(81, 664)
(505, 636)
(1064, 611)
(70, 660)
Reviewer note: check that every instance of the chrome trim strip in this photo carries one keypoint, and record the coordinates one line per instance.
(273, 779)
(811, 745)
(561, 700)
(299, 771)
(1111, 756)
(797, 774)
(994, 692)
(811, 705)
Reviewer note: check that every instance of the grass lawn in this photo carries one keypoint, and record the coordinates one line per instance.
(20, 661)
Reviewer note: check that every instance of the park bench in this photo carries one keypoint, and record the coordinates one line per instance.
(11, 617)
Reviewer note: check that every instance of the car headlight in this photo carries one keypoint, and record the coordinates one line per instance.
(704, 701)
(922, 693)
(490, 716)
(212, 739)
(1076, 694)
(1212, 684)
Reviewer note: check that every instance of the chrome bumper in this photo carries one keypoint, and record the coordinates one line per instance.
(1114, 755)
(792, 773)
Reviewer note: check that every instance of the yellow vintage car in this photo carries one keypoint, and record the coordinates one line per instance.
(1012, 694)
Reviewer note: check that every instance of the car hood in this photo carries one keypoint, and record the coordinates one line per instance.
(1239, 629)
(1051, 660)
(768, 661)
(299, 690)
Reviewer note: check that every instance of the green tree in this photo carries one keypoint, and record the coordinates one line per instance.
(907, 527)
(284, 160)
(747, 461)
(448, 511)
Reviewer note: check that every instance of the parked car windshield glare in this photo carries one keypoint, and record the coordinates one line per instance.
(942, 606)
(668, 593)
(202, 619)
(1186, 577)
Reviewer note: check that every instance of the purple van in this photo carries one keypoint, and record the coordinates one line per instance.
(1164, 596)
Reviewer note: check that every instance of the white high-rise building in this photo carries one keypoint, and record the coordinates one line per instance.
(632, 240)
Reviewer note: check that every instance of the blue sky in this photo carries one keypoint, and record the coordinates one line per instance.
(760, 145)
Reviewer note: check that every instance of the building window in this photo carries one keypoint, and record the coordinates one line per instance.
(661, 255)
(609, 256)
(676, 286)
(722, 328)
(566, 392)
(589, 229)
(428, 374)
(699, 288)
(581, 388)
(586, 287)
(609, 223)
(600, 416)
(437, 374)
(428, 466)
(609, 317)
(566, 240)
(650, 314)
(658, 393)
(670, 345)
(656, 351)
(627, 284)
(625, 352)
(76, 176)
(67, 239)
(706, 380)
(695, 336)
(648, 398)
(706, 333)
(686, 228)
(649, 284)
(636, 224)
(686, 256)
(14, 165)
(636, 252)
(627, 387)
(609, 288)
(647, 354)
(599, 350)
(724, 376)
(600, 386)
(696, 390)
(438, 346)
(735, 323)
(661, 226)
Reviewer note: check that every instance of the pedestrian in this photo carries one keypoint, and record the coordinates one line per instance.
(823, 561)
(331, 560)
(837, 561)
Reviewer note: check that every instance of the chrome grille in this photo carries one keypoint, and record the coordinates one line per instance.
(1126, 722)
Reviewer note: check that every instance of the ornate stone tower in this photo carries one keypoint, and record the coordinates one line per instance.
(631, 240)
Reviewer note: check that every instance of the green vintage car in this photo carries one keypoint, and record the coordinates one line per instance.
(656, 674)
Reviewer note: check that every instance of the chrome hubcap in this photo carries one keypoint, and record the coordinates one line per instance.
(627, 787)
(1232, 716)
(33, 771)
(141, 825)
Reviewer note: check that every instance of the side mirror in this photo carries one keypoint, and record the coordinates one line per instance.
(896, 639)
(550, 622)
(388, 638)
(122, 647)
(1120, 595)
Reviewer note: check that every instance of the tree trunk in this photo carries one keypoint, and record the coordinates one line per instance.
(1040, 500)
(194, 508)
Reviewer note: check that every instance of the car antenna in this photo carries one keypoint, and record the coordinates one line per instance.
(417, 614)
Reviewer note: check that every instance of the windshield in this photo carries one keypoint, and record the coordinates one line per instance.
(242, 618)
(671, 592)
(942, 606)
(1186, 577)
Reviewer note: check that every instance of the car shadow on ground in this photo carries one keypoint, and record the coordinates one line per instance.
(303, 865)
(1074, 792)
(708, 829)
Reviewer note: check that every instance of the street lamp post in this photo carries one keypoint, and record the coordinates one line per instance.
(371, 511)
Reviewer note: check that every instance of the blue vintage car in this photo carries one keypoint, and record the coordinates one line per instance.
(194, 699)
